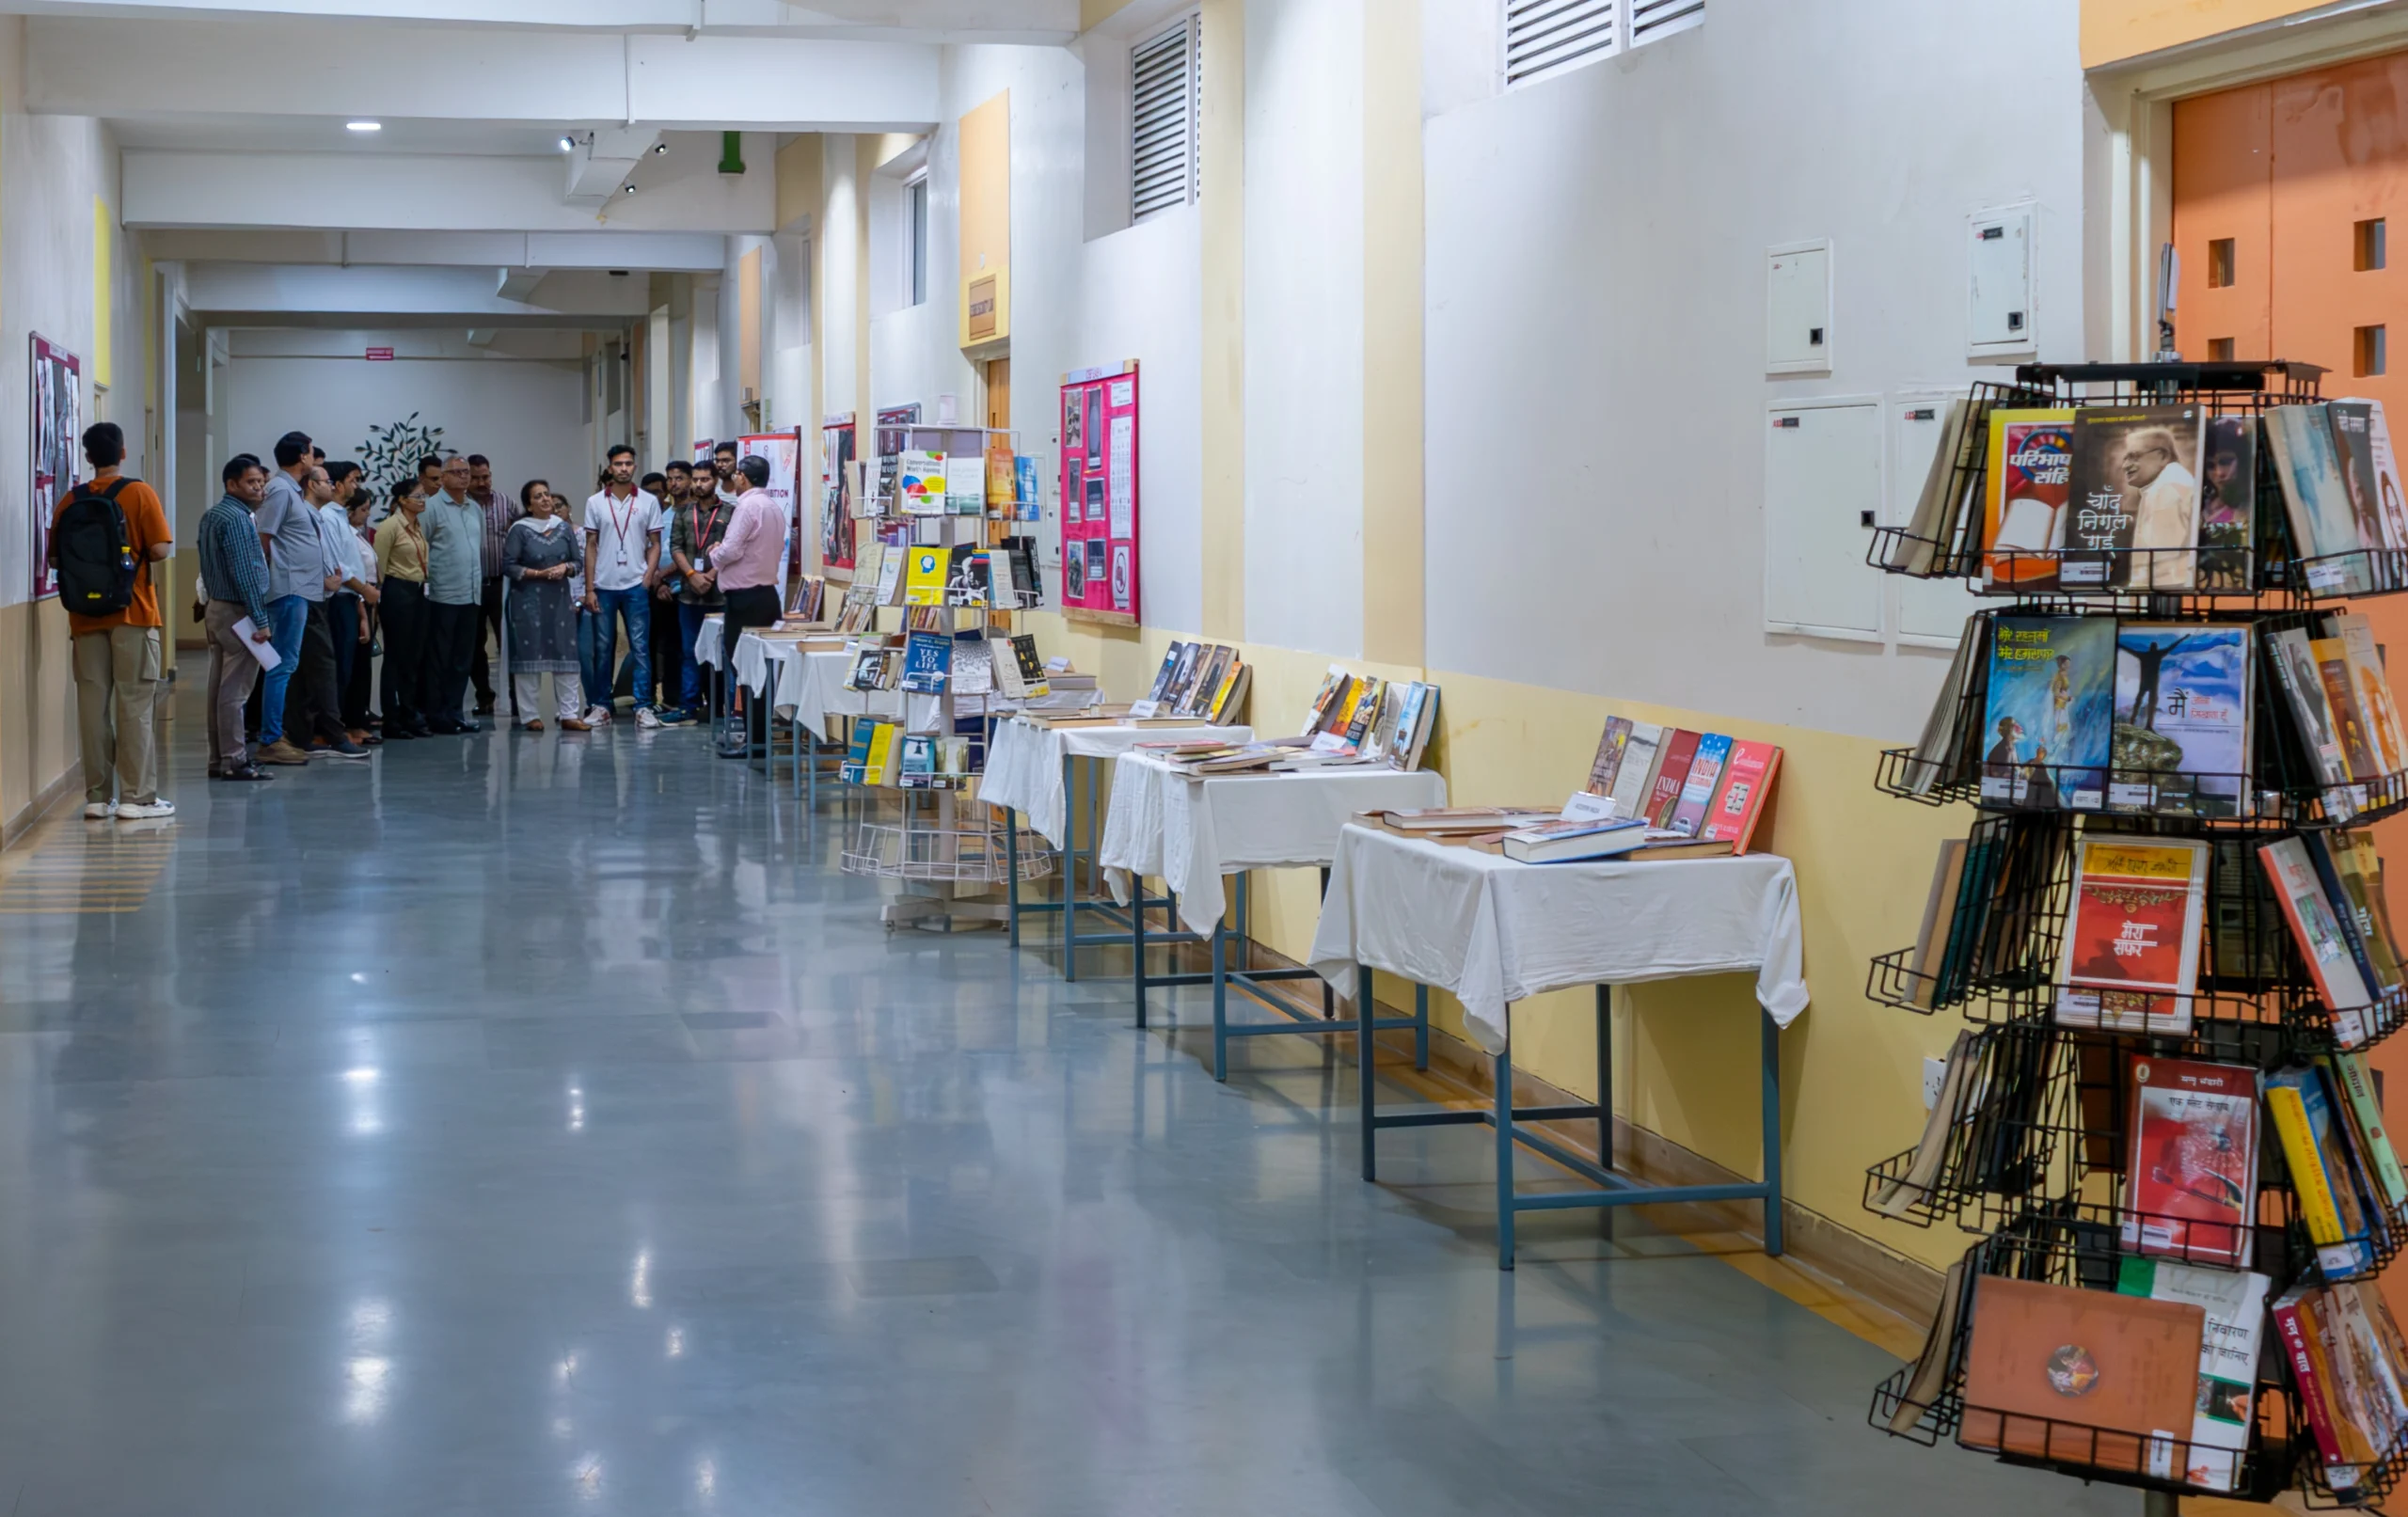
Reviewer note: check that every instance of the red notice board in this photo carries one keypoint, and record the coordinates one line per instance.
(1100, 562)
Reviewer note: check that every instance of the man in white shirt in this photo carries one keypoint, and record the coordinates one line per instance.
(622, 551)
(2166, 508)
(346, 607)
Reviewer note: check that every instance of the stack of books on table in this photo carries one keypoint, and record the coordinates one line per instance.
(1690, 784)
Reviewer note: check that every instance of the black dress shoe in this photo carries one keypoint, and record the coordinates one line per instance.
(248, 772)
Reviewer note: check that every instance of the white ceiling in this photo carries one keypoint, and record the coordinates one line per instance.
(940, 21)
(234, 133)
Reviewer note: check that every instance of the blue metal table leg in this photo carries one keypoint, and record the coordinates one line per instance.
(1328, 992)
(1605, 1078)
(1505, 1152)
(1069, 872)
(1137, 942)
(1420, 1027)
(1011, 873)
(1772, 1133)
(1221, 999)
(1365, 1015)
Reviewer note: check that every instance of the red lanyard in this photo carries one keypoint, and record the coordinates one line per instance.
(703, 538)
(619, 526)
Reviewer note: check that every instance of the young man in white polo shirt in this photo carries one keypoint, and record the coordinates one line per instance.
(622, 549)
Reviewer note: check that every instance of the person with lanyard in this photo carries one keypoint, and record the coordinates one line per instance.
(667, 662)
(745, 567)
(455, 554)
(400, 573)
(622, 551)
(699, 524)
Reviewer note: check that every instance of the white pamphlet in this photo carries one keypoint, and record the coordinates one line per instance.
(264, 651)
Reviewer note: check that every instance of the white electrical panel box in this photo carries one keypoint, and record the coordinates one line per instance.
(1798, 308)
(1822, 498)
(1931, 612)
(1999, 318)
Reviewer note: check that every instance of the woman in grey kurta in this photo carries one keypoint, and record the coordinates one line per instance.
(539, 556)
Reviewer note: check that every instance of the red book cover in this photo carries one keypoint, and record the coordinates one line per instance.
(1739, 798)
(1680, 748)
(2131, 928)
(2191, 1185)
(2295, 1332)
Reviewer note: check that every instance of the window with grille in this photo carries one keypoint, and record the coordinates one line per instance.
(1165, 84)
(1544, 38)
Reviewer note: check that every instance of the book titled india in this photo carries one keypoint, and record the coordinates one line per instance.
(1697, 790)
(1680, 747)
(2191, 1180)
(2031, 479)
(2129, 957)
(2048, 715)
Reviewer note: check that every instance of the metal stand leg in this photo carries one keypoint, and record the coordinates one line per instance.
(1011, 873)
(1504, 1095)
(1605, 1078)
(1364, 1016)
(1421, 1027)
(1221, 1000)
(1137, 942)
(1069, 872)
(1328, 992)
(1772, 1133)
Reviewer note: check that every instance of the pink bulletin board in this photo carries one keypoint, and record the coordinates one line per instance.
(1099, 560)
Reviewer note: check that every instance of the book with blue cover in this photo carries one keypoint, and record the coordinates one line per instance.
(2048, 721)
(919, 762)
(927, 662)
(2181, 718)
(1697, 791)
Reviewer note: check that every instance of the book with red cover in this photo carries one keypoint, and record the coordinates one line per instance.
(1744, 793)
(2191, 1180)
(2086, 1377)
(1680, 748)
(2131, 953)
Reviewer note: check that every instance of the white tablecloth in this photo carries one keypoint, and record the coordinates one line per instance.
(818, 696)
(1190, 830)
(1024, 763)
(706, 640)
(1493, 931)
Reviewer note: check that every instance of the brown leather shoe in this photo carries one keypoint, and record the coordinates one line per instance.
(536, 725)
(282, 751)
(571, 724)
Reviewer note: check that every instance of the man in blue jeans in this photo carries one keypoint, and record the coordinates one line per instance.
(297, 579)
(622, 550)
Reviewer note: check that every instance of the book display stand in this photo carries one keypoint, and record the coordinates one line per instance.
(2166, 933)
(932, 498)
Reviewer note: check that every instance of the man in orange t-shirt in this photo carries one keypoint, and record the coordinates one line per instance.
(118, 656)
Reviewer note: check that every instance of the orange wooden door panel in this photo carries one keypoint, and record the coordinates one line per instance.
(2224, 191)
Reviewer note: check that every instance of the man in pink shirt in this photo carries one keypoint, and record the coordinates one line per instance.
(744, 566)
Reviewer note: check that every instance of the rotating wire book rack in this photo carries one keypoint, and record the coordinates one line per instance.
(2028, 1153)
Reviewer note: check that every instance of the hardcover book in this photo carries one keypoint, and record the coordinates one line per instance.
(925, 570)
(2085, 1377)
(927, 661)
(2130, 957)
(1161, 687)
(2225, 1412)
(1609, 760)
(2182, 719)
(1743, 794)
(2135, 498)
(1642, 750)
(2048, 718)
(2031, 477)
(2228, 504)
(1680, 748)
(2190, 1178)
(1697, 790)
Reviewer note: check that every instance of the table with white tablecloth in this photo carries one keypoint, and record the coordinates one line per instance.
(1494, 932)
(1190, 830)
(1031, 769)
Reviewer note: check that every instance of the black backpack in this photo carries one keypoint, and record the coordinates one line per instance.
(95, 559)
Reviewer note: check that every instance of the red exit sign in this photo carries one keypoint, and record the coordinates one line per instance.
(380, 356)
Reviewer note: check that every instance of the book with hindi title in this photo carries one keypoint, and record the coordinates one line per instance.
(2135, 498)
(2191, 1177)
(2225, 1413)
(2128, 960)
(2031, 473)
(2183, 705)
(2049, 713)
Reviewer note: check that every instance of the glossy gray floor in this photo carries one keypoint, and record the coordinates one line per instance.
(521, 1125)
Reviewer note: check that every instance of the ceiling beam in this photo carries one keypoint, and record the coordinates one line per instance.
(426, 193)
(264, 294)
(665, 252)
(1052, 23)
(163, 70)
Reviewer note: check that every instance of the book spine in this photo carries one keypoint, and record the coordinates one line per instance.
(1972, 886)
(2308, 1178)
(2336, 892)
(2293, 1331)
(2357, 1088)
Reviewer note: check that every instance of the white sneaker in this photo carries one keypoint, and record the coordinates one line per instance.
(134, 812)
(646, 718)
(98, 811)
(599, 716)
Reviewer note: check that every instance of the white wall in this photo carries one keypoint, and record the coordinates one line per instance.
(525, 413)
(1595, 308)
(1303, 324)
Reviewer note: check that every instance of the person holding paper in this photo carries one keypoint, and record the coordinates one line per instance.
(235, 571)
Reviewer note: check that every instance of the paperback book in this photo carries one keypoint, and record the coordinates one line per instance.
(2316, 497)
(920, 482)
(2128, 960)
(1743, 795)
(1698, 788)
(2228, 505)
(927, 662)
(926, 567)
(2225, 1412)
(2049, 713)
(2191, 1180)
(2182, 719)
(2317, 931)
(2081, 1377)
(2031, 479)
(2135, 498)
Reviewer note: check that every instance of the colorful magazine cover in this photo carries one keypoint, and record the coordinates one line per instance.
(2048, 726)
(2191, 1185)
(2315, 497)
(2391, 505)
(2130, 958)
(2228, 504)
(2182, 719)
(2354, 435)
(1697, 791)
(2135, 498)
(2031, 478)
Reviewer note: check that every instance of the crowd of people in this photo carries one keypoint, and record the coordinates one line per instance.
(340, 618)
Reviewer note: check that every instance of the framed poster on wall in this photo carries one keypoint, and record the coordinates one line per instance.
(1101, 562)
(836, 495)
(58, 423)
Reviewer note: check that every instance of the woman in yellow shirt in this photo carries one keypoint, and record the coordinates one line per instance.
(401, 570)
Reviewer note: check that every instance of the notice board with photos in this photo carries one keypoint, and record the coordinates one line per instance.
(1099, 560)
(835, 494)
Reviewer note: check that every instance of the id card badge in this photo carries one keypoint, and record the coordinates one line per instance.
(702, 561)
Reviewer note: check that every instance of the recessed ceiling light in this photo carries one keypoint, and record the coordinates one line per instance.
(660, 149)
(568, 144)
(365, 126)
(631, 189)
